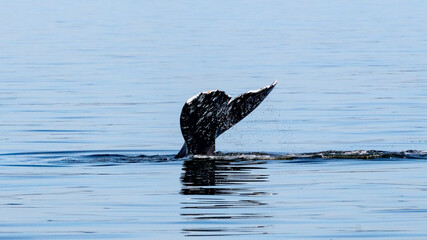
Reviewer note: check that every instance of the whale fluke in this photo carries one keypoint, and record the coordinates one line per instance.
(207, 115)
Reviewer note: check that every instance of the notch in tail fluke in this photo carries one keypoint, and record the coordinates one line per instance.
(207, 115)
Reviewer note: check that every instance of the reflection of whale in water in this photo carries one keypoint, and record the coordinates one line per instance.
(207, 115)
(223, 197)
(203, 177)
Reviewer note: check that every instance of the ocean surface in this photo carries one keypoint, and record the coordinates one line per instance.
(91, 93)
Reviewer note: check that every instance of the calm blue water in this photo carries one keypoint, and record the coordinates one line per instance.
(90, 97)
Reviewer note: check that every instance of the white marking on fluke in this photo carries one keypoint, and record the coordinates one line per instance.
(207, 115)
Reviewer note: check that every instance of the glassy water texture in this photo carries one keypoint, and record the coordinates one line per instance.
(114, 75)
(90, 97)
(131, 196)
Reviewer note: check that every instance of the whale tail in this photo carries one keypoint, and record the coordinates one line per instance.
(207, 115)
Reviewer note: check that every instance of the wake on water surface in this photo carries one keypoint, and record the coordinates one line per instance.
(114, 157)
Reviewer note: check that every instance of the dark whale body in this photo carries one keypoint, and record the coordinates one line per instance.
(207, 115)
